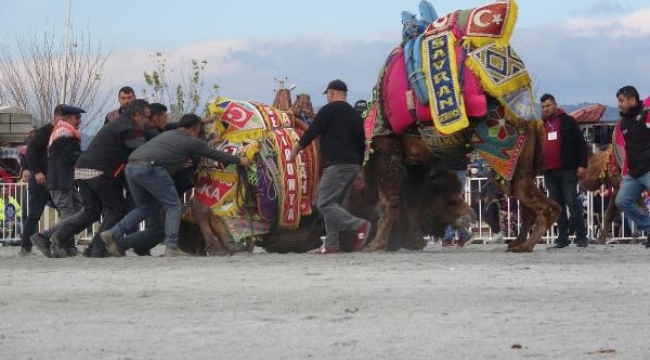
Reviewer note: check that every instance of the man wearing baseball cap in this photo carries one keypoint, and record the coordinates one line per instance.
(342, 147)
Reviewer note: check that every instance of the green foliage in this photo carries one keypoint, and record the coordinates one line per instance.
(181, 91)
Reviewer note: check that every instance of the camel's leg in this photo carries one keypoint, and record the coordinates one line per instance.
(386, 171)
(546, 211)
(610, 213)
(414, 238)
(387, 217)
(213, 246)
(528, 219)
(222, 235)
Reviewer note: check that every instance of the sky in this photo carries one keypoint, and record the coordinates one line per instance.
(578, 50)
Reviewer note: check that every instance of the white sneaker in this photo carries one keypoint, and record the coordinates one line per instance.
(496, 239)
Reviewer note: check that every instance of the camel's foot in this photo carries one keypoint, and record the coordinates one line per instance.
(213, 247)
(521, 248)
(601, 240)
(374, 247)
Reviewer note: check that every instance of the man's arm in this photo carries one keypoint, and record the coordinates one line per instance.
(35, 150)
(317, 128)
(132, 138)
(201, 148)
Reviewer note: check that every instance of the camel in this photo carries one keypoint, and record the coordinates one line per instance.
(603, 170)
(277, 210)
(439, 93)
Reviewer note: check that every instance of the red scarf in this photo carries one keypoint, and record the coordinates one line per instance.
(64, 129)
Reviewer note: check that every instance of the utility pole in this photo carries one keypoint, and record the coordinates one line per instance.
(66, 52)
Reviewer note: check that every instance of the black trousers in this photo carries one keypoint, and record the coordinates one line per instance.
(102, 197)
(37, 198)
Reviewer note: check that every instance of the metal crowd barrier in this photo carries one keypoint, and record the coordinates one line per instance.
(13, 204)
(594, 217)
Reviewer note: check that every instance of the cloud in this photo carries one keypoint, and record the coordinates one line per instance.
(583, 69)
(633, 24)
(246, 68)
(603, 7)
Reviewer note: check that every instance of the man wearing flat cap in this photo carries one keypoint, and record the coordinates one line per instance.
(37, 194)
(342, 146)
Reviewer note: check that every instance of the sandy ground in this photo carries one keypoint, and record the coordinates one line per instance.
(473, 303)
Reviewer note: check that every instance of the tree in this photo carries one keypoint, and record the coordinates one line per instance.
(182, 91)
(33, 78)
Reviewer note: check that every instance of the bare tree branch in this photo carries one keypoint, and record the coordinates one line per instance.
(31, 77)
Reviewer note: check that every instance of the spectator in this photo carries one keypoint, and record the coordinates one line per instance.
(124, 97)
(64, 149)
(565, 161)
(635, 127)
(37, 194)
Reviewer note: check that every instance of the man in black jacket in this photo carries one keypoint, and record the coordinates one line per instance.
(100, 176)
(342, 147)
(37, 194)
(565, 161)
(635, 126)
(63, 151)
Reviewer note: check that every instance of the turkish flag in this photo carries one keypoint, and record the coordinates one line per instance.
(237, 115)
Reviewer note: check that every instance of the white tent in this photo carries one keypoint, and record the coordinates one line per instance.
(8, 109)
(15, 124)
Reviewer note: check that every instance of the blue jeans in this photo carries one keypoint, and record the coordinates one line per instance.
(152, 188)
(631, 189)
(145, 240)
(562, 188)
(450, 231)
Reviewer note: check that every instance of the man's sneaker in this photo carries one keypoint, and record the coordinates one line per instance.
(73, 251)
(26, 252)
(464, 240)
(59, 248)
(326, 251)
(175, 252)
(582, 243)
(111, 243)
(42, 244)
(559, 245)
(496, 238)
(363, 232)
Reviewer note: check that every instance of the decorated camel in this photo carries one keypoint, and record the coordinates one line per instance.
(270, 204)
(454, 84)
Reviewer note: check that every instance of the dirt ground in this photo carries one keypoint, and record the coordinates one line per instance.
(472, 303)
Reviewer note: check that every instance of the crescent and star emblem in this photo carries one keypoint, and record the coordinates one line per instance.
(477, 19)
(237, 115)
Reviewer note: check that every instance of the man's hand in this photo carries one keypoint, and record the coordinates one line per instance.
(40, 178)
(25, 176)
(243, 161)
(582, 172)
(210, 119)
(294, 152)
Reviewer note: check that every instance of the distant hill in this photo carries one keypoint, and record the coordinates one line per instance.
(611, 114)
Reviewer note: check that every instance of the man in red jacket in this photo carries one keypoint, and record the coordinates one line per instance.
(565, 160)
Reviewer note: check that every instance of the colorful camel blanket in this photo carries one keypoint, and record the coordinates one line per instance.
(500, 69)
(498, 142)
(443, 83)
(274, 189)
